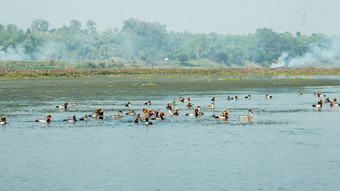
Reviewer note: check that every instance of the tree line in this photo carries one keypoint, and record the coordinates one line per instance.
(149, 42)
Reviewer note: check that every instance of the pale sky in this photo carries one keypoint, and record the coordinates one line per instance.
(195, 16)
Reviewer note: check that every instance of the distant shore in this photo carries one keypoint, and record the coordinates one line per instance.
(46, 73)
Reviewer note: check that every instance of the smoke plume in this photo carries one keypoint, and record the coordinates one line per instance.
(326, 52)
(48, 50)
(17, 53)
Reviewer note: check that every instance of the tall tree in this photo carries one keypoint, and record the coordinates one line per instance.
(149, 38)
(75, 26)
(268, 43)
(39, 25)
(91, 26)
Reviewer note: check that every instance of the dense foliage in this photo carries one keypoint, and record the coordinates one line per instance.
(146, 42)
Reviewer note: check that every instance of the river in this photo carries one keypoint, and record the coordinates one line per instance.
(286, 145)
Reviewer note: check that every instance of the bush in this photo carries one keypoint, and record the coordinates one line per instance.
(91, 65)
(102, 65)
(182, 57)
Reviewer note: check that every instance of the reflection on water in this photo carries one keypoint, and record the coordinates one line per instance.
(287, 145)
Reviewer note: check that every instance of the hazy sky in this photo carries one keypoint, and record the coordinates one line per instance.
(196, 16)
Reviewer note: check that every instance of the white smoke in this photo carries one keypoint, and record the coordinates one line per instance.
(316, 54)
(281, 61)
(48, 50)
(17, 53)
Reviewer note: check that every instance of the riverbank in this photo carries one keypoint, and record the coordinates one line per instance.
(46, 73)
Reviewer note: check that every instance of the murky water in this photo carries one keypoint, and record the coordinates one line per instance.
(287, 145)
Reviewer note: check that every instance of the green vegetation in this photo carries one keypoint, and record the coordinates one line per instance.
(296, 78)
(141, 44)
(166, 72)
(234, 78)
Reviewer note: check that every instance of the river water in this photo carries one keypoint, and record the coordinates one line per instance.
(287, 145)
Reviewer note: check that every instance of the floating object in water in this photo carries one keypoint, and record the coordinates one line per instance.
(169, 113)
(189, 104)
(84, 118)
(120, 114)
(62, 106)
(99, 114)
(169, 106)
(132, 112)
(193, 114)
(268, 96)
(230, 98)
(212, 106)
(3, 120)
(247, 116)
(224, 115)
(319, 104)
(179, 99)
(176, 112)
(147, 122)
(48, 119)
(199, 110)
(327, 100)
(160, 117)
(137, 120)
(74, 119)
(320, 94)
(331, 103)
(156, 115)
(144, 113)
(74, 103)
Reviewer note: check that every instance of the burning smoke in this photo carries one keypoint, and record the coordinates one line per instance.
(50, 49)
(46, 51)
(17, 53)
(328, 51)
(281, 62)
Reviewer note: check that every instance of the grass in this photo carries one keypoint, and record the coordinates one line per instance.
(45, 73)
(233, 78)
